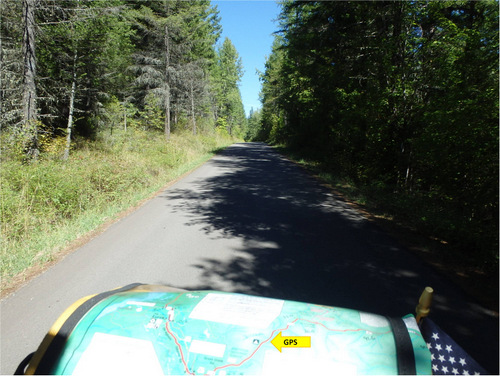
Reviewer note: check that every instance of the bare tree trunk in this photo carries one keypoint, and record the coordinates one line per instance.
(167, 112)
(192, 108)
(167, 85)
(71, 110)
(29, 76)
(1, 69)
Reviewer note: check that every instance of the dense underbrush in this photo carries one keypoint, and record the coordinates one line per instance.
(49, 203)
(466, 249)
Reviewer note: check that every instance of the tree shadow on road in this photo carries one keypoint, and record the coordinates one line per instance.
(302, 243)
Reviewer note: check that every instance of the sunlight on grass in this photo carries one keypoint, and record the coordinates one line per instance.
(48, 204)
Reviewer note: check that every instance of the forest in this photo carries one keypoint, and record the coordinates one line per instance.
(399, 98)
(101, 103)
(81, 65)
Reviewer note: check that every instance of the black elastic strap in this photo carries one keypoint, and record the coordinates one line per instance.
(56, 346)
(404, 347)
(24, 363)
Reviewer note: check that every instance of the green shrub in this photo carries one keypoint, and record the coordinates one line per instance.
(48, 203)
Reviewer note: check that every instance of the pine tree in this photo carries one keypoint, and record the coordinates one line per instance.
(30, 111)
(226, 77)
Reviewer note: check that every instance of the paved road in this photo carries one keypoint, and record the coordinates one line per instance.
(247, 221)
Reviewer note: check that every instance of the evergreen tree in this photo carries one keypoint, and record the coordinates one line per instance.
(396, 95)
(86, 50)
(254, 124)
(30, 111)
(10, 67)
(174, 47)
(226, 76)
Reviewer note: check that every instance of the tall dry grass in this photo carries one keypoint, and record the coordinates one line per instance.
(49, 203)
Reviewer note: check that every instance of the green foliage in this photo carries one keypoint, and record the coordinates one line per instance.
(152, 113)
(174, 55)
(226, 74)
(40, 200)
(117, 114)
(117, 51)
(130, 64)
(254, 123)
(400, 98)
(90, 43)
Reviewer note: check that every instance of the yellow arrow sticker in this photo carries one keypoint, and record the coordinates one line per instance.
(279, 341)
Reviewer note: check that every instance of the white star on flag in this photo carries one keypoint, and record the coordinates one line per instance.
(444, 354)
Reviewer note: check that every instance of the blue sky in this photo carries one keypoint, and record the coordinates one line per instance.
(249, 25)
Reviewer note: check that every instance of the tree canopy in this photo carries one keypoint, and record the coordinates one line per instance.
(68, 67)
(395, 95)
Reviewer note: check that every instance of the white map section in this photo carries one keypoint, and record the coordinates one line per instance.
(242, 310)
(373, 320)
(144, 304)
(294, 362)
(411, 323)
(109, 354)
(207, 348)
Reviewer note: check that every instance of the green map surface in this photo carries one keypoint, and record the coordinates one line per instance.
(216, 333)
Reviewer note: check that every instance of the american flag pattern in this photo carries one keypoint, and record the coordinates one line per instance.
(447, 357)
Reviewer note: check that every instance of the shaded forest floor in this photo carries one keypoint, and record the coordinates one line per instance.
(478, 280)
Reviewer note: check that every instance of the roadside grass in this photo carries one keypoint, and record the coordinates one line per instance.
(48, 204)
(425, 226)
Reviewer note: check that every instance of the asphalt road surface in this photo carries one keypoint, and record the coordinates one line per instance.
(248, 221)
